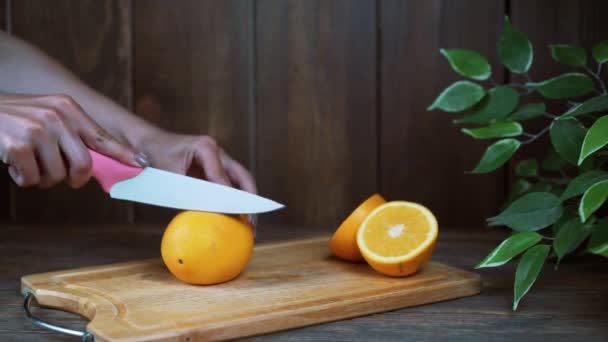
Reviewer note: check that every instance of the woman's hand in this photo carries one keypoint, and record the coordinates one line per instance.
(44, 140)
(197, 156)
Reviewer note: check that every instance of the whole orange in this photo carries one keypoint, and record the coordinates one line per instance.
(343, 243)
(206, 248)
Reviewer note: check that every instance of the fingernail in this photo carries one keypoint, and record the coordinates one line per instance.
(141, 159)
(15, 175)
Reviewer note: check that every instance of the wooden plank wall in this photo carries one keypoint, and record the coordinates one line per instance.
(316, 106)
(5, 191)
(563, 22)
(423, 155)
(193, 73)
(93, 39)
(324, 100)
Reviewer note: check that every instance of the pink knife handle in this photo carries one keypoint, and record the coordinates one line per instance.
(108, 171)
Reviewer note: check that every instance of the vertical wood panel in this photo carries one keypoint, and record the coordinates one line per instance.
(316, 113)
(423, 155)
(4, 178)
(93, 39)
(3, 5)
(547, 22)
(192, 72)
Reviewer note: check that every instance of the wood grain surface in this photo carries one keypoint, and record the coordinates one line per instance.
(92, 39)
(423, 155)
(563, 305)
(193, 73)
(286, 285)
(316, 107)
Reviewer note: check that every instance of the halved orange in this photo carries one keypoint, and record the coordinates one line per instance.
(344, 241)
(397, 238)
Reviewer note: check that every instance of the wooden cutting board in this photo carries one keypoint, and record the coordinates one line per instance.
(285, 285)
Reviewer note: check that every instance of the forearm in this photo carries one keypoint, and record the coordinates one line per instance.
(26, 70)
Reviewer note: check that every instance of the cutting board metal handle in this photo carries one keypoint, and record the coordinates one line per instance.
(27, 303)
(108, 171)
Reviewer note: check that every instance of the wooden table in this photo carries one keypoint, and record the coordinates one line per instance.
(569, 304)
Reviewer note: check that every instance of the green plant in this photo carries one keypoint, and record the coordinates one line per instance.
(553, 205)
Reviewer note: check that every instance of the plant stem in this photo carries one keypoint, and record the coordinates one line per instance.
(547, 238)
(536, 136)
(557, 181)
(518, 85)
(550, 115)
(573, 104)
(597, 77)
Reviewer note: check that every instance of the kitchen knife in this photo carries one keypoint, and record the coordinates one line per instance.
(167, 189)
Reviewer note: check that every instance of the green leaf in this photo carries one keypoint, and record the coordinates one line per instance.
(600, 249)
(496, 105)
(540, 187)
(557, 191)
(568, 214)
(495, 130)
(552, 161)
(596, 138)
(527, 271)
(587, 165)
(569, 54)
(571, 234)
(514, 49)
(567, 138)
(564, 86)
(593, 199)
(598, 243)
(458, 96)
(527, 168)
(518, 188)
(529, 111)
(582, 182)
(510, 248)
(531, 212)
(593, 105)
(496, 155)
(600, 52)
(468, 63)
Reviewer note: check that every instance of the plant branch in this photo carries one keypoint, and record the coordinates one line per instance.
(572, 103)
(536, 136)
(554, 180)
(518, 85)
(550, 115)
(597, 78)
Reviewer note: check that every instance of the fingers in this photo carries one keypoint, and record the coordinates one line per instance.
(238, 174)
(44, 140)
(52, 170)
(78, 159)
(23, 167)
(207, 155)
(99, 139)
